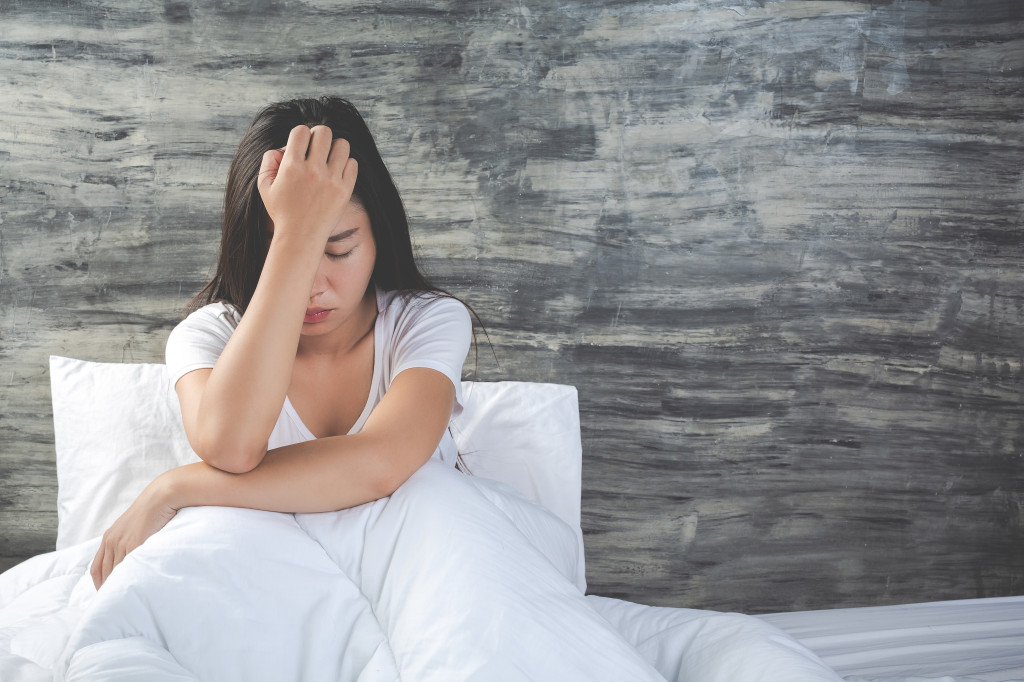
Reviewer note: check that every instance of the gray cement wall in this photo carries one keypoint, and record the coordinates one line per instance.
(776, 245)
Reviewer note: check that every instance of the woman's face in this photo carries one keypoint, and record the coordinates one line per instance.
(343, 276)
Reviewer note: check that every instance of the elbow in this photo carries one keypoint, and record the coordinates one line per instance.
(386, 484)
(232, 457)
(234, 465)
(393, 475)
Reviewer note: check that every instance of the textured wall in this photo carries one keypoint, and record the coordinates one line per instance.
(776, 245)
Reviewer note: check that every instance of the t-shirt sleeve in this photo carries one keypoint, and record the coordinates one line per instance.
(434, 334)
(199, 339)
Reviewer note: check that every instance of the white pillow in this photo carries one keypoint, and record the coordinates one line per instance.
(528, 436)
(117, 426)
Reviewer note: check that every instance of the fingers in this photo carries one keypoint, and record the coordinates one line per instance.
(102, 564)
(268, 169)
(107, 557)
(315, 144)
(108, 565)
(349, 175)
(340, 162)
(319, 144)
(96, 569)
(339, 152)
(298, 144)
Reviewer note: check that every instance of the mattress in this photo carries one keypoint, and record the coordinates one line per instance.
(971, 639)
(978, 638)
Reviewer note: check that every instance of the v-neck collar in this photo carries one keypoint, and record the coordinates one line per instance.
(371, 395)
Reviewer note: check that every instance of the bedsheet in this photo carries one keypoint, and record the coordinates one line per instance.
(979, 638)
(952, 641)
(384, 591)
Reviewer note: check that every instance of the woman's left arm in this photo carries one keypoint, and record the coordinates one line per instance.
(320, 475)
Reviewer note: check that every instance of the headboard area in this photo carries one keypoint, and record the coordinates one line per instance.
(776, 246)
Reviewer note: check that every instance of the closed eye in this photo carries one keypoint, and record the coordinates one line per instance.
(339, 256)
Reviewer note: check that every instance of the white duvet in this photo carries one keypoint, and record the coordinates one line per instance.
(451, 578)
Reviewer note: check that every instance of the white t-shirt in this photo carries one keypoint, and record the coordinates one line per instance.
(410, 331)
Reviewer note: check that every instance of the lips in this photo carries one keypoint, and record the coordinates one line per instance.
(314, 315)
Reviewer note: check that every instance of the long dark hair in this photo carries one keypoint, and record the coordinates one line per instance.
(243, 246)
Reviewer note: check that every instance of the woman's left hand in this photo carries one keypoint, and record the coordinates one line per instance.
(150, 512)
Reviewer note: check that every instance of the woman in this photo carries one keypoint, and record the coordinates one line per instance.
(316, 305)
(320, 375)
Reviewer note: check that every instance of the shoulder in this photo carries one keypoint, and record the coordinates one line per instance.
(204, 331)
(429, 330)
(404, 308)
(219, 316)
(412, 319)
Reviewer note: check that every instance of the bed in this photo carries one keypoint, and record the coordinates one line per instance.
(117, 426)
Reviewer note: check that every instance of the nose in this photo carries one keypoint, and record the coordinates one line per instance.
(320, 281)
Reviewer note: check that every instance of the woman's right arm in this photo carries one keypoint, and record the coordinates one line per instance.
(230, 410)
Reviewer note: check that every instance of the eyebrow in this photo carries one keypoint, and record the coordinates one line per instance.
(341, 236)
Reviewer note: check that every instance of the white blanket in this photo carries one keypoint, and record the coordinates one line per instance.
(451, 578)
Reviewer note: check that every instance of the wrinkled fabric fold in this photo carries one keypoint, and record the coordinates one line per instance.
(451, 578)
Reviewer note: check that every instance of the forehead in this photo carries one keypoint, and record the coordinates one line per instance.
(354, 221)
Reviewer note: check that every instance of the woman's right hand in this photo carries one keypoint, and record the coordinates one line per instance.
(306, 186)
